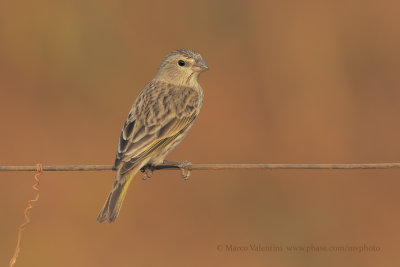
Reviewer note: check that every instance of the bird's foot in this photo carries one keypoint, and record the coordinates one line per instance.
(148, 171)
(184, 166)
(186, 169)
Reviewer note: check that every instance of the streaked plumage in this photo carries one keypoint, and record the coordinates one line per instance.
(159, 119)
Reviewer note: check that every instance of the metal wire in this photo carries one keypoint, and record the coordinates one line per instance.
(21, 228)
(210, 167)
(185, 168)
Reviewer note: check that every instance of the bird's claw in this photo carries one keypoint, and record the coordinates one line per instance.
(148, 171)
(185, 168)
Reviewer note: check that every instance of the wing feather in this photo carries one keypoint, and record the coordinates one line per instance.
(159, 115)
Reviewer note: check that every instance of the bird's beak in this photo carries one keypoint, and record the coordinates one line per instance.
(199, 66)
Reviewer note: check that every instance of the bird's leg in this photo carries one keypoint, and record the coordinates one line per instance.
(184, 166)
(148, 171)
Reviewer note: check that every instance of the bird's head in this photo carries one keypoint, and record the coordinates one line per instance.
(181, 67)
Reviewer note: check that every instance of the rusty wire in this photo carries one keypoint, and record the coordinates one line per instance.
(185, 172)
(190, 166)
(39, 170)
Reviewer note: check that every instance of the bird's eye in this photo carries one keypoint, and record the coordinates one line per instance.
(181, 63)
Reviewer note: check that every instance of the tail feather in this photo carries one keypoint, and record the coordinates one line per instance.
(117, 195)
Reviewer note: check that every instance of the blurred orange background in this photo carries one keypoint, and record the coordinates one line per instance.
(289, 82)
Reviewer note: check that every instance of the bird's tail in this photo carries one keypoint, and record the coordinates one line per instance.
(117, 194)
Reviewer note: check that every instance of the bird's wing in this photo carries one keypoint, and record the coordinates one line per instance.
(159, 116)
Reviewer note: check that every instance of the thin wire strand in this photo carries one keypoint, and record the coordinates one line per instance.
(39, 170)
(190, 166)
(184, 167)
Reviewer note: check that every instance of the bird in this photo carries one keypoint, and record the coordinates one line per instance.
(157, 122)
